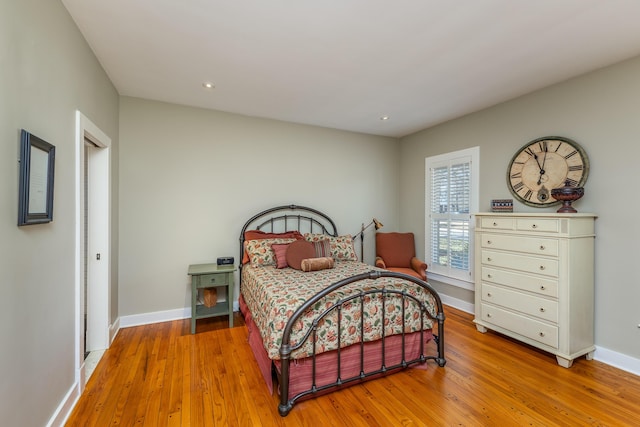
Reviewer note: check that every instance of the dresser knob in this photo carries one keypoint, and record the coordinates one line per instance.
(541, 309)
(542, 247)
(495, 224)
(489, 294)
(488, 314)
(489, 276)
(489, 259)
(534, 226)
(542, 267)
(541, 334)
(488, 242)
(542, 287)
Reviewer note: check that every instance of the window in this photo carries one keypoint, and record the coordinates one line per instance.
(451, 198)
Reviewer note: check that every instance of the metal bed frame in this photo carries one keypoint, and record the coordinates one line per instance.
(309, 217)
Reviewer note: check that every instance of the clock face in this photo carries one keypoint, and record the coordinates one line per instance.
(544, 164)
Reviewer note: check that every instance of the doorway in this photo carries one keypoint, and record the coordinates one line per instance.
(92, 246)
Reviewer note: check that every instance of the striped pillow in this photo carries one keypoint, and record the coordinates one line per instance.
(323, 248)
(341, 246)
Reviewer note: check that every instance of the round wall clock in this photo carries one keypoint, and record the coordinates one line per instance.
(544, 164)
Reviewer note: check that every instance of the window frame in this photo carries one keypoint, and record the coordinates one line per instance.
(473, 154)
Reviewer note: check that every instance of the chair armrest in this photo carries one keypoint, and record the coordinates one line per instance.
(380, 263)
(419, 267)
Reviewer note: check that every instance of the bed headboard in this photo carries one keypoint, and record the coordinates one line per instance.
(288, 218)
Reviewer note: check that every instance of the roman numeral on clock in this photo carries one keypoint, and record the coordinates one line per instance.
(518, 186)
(543, 145)
(573, 153)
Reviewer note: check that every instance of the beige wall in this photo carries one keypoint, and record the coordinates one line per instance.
(191, 177)
(598, 110)
(47, 71)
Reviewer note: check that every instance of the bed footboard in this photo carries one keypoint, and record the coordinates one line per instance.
(286, 349)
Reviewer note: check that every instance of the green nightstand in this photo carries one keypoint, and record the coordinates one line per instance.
(211, 276)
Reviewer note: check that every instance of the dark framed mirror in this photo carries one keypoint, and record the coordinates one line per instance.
(37, 161)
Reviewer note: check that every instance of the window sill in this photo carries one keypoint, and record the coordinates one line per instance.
(470, 286)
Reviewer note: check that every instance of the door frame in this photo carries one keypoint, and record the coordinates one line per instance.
(100, 230)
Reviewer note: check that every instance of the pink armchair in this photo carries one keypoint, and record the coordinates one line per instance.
(397, 252)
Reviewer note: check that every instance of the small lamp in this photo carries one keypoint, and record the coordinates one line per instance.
(378, 226)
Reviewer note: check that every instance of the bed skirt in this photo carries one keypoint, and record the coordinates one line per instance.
(327, 363)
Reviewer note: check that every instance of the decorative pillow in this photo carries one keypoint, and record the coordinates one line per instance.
(323, 248)
(260, 252)
(280, 253)
(258, 234)
(299, 250)
(341, 247)
(315, 264)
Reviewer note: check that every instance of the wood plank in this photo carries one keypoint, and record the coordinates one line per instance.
(184, 347)
(162, 375)
(171, 409)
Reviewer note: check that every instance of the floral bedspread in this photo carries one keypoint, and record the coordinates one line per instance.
(273, 295)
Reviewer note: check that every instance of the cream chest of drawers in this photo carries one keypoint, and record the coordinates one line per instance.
(534, 280)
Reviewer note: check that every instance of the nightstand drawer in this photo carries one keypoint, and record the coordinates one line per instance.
(532, 245)
(212, 280)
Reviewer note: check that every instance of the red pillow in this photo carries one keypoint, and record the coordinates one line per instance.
(258, 235)
(280, 252)
(299, 250)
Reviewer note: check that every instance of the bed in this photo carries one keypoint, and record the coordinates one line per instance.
(318, 319)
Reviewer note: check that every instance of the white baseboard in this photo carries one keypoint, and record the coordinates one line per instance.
(158, 316)
(154, 317)
(65, 407)
(458, 303)
(113, 330)
(617, 360)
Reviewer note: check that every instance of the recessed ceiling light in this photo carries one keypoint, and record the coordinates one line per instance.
(383, 118)
(208, 85)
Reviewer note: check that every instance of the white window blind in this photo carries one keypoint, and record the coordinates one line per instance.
(450, 196)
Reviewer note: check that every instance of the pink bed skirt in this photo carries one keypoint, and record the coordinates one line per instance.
(300, 377)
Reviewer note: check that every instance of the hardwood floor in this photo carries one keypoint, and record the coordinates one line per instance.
(161, 375)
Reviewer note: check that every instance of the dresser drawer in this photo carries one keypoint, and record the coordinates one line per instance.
(529, 264)
(547, 225)
(532, 245)
(528, 304)
(533, 329)
(212, 280)
(525, 282)
(497, 223)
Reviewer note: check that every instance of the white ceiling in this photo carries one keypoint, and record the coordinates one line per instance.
(345, 63)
